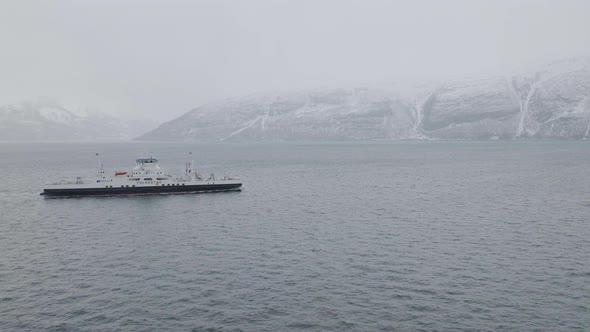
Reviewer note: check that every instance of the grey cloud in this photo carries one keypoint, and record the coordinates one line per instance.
(161, 58)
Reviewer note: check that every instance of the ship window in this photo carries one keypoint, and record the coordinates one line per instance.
(183, 184)
(133, 185)
(147, 179)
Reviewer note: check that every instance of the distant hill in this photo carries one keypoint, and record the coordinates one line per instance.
(551, 101)
(42, 120)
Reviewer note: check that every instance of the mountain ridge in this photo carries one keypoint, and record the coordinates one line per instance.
(551, 101)
(43, 119)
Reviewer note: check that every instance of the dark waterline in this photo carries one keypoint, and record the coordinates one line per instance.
(328, 236)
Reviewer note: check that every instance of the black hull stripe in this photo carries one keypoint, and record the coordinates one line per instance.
(140, 190)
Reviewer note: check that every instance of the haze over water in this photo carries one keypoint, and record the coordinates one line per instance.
(356, 236)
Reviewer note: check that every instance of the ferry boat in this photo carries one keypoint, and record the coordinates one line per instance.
(146, 178)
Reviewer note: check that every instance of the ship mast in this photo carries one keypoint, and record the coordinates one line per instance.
(189, 164)
(100, 168)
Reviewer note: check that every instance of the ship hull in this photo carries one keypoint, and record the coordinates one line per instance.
(186, 189)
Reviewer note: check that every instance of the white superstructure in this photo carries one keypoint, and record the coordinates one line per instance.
(145, 177)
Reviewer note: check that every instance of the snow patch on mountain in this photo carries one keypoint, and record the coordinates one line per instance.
(44, 119)
(550, 101)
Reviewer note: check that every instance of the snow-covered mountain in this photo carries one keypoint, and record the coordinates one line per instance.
(43, 119)
(551, 101)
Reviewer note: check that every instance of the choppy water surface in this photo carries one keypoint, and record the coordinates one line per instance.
(325, 237)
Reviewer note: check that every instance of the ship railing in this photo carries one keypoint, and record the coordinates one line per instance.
(79, 180)
(180, 179)
(63, 182)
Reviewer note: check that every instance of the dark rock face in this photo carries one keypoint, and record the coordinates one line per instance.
(549, 102)
(471, 109)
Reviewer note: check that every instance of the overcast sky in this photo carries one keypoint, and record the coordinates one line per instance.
(162, 58)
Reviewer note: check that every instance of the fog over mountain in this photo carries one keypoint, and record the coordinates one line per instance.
(155, 59)
(43, 119)
(550, 101)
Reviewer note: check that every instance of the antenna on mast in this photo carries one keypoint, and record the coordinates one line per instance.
(100, 168)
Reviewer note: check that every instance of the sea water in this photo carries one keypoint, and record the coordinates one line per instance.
(325, 236)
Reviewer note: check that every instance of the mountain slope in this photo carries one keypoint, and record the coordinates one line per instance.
(43, 119)
(552, 101)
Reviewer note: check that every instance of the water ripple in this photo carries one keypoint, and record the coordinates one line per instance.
(413, 237)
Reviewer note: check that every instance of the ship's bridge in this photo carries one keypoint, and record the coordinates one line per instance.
(146, 166)
(146, 160)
